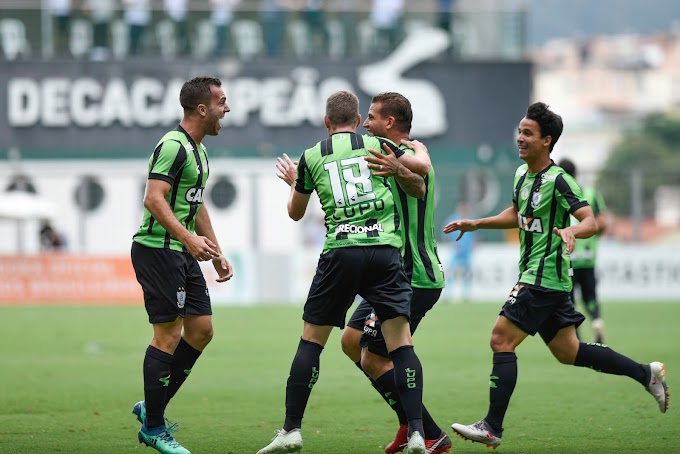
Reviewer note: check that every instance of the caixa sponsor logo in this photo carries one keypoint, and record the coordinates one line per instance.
(194, 195)
(351, 228)
(530, 224)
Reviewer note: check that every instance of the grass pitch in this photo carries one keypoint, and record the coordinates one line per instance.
(70, 375)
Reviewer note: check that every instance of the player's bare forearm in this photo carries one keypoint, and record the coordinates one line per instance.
(297, 204)
(160, 209)
(412, 183)
(587, 225)
(420, 162)
(204, 226)
(506, 219)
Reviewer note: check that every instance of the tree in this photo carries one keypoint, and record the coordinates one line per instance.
(653, 150)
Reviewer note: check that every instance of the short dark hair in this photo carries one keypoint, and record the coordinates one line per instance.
(342, 108)
(568, 167)
(548, 121)
(197, 91)
(395, 105)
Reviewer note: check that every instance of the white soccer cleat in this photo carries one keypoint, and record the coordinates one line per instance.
(657, 385)
(416, 444)
(479, 432)
(284, 442)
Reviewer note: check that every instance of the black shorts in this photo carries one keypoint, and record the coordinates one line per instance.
(422, 301)
(584, 279)
(539, 310)
(172, 282)
(373, 272)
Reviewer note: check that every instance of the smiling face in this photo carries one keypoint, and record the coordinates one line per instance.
(215, 110)
(375, 123)
(533, 148)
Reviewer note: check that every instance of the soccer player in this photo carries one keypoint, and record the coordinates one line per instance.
(360, 256)
(390, 116)
(584, 257)
(175, 234)
(544, 196)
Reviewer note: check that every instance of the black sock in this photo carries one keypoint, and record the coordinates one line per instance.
(603, 359)
(182, 361)
(408, 374)
(304, 372)
(156, 379)
(501, 386)
(387, 387)
(432, 430)
(392, 397)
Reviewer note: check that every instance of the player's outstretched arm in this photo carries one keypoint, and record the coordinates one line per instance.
(506, 219)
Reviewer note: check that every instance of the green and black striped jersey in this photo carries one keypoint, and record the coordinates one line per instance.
(359, 207)
(584, 254)
(421, 261)
(182, 163)
(544, 201)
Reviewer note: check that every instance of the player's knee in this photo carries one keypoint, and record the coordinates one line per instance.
(373, 366)
(564, 357)
(499, 343)
(350, 344)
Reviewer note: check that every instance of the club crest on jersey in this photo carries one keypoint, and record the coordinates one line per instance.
(536, 199)
(194, 195)
(530, 224)
(181, 297)
(524, 194)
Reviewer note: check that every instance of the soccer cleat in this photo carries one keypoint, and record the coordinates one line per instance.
(284, 442)
(400, 440)
(479, 432)
(416, 444)
(139, 410)
(439, 445)
(161, 439)
(657, 385)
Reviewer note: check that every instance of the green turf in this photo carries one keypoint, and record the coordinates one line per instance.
(70, 375)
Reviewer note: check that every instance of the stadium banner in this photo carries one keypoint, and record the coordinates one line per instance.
(67, 279)
(91, 109)
(635, 273)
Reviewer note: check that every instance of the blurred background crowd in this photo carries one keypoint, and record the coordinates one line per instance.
(88, 87)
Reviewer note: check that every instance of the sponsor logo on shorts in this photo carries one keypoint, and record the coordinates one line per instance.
(369, 325)
(351, 228)
(512, 299)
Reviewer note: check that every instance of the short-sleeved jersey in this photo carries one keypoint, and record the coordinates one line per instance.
(182, 163)
(544, 201)
(359, 207)
(421, 261)
(584, 254)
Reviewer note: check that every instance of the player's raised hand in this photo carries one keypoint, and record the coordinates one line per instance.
(224, 269)
(383, 165)
(460, 225)
(287, 169)
(201, 248)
